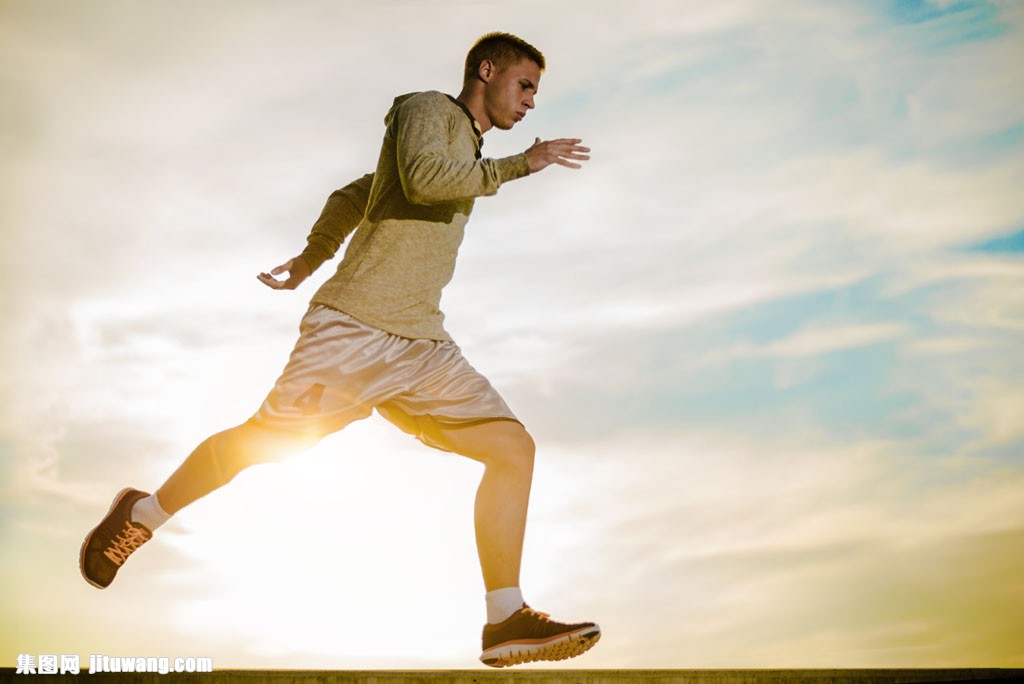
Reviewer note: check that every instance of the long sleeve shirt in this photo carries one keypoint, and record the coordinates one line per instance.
(409, 217)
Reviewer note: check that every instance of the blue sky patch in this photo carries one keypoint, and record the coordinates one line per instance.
(919, 11)
(1012, 244)
(937, 29)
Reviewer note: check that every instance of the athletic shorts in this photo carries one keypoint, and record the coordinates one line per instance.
(342, 369)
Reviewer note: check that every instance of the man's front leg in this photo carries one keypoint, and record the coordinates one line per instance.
(514, 633)
(507, 451)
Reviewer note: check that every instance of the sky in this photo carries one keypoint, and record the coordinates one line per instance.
(769, 340)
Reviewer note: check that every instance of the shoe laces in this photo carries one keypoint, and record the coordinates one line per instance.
(546, 617)
(125, 543)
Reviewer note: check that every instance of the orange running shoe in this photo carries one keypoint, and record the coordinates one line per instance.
(528, 635)
(108, 546)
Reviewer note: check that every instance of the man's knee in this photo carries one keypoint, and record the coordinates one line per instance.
(253, 443)
(505, 443)
(523, 443)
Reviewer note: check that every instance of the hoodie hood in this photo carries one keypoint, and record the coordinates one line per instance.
(389, 117)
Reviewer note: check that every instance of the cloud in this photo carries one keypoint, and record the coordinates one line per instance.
(823, 341)
(727, 547)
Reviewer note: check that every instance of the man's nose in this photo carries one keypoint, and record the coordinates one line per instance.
(529, 102)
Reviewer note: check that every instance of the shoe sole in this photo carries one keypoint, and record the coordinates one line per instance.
(530, 650)
(81, 554)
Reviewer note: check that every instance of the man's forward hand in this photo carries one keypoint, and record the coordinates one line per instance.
(297, 270)
(564, 152)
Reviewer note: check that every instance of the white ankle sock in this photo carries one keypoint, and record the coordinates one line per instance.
(147, 512)
(502, 603)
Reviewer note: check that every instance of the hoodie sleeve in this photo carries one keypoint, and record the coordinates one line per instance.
(427, 174)
(344, 210)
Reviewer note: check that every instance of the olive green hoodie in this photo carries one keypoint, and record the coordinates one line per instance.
(409, 217)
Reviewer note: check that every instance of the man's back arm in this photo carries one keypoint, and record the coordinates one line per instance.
(341, 215)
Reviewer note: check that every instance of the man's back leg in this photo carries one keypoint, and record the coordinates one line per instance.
(210, 466)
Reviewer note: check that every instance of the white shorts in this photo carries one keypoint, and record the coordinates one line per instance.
(342, 369)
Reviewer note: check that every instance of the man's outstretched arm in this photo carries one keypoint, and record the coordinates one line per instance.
(341, 215)
(429, 176)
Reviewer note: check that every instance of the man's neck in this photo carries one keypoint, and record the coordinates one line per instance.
(473, 99)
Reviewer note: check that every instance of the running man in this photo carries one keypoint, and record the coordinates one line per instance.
(373, 339)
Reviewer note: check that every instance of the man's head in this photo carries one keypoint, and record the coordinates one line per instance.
(507, 70)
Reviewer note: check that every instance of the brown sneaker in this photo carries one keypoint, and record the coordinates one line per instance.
(108, 546)
(528, 635)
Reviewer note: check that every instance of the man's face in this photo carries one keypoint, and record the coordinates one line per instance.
(509, 94)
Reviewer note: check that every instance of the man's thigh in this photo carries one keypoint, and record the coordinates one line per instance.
(451, 406)
(337, 372)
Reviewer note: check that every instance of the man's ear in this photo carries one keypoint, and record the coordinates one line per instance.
(486, 70)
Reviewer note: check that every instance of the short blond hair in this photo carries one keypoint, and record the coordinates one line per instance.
(503, 50)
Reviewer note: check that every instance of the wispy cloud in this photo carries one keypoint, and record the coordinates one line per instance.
(822, 341)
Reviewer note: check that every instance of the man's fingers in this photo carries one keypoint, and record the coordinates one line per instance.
(563, 158)
(572, 151)
(561, 151)
(563, 142)
(297, 271)
(270, 281)
(286, 266)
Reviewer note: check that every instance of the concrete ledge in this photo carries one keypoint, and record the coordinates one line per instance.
(820, 676)
(510, 676)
